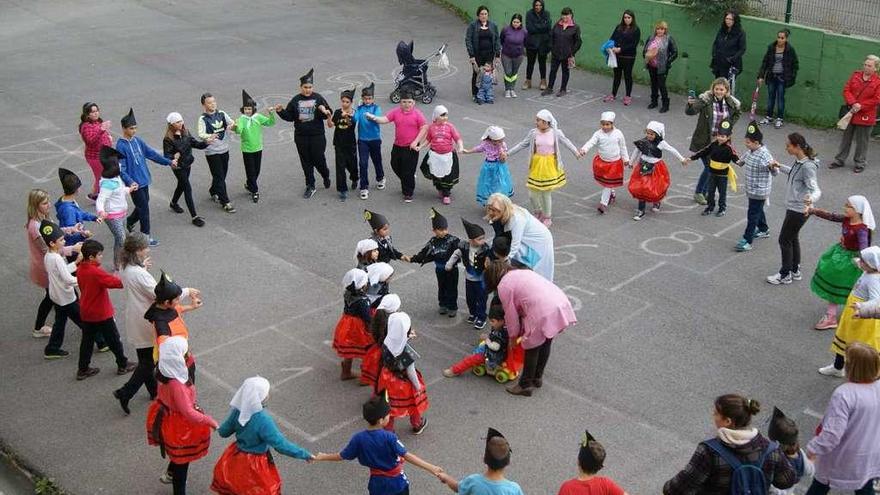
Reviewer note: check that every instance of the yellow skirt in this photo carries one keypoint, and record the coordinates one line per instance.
(851, 329)
(545, 174)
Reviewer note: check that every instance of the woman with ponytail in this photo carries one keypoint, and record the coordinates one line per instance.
(802, 192)
(708, 470)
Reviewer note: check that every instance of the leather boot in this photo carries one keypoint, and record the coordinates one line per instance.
(517, 390)
(543, 85)
(527, 84)
(346, 370)
(664, 107)
(653, 104)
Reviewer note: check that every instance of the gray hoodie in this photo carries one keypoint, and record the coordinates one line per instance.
(802, 182)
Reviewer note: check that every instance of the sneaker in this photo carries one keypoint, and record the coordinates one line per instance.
(343, 196)
(743, 246)
(421, 428)
(479, 324)
(777, 124)
(175, 208)
(128, 368)
(104, 348)
(627, 100)
(55, 354)
(327, 182)
(92, 197)
(198, 221)
(835, 164)
(87, 373)
(655, 207)
(507, 93)
(255, 197)
(612, 198)
(700, 198)
(365, 194)
(762, 234)
(448, 373)
(215, 198)
(513, 94)
(546, 92)
(407, 199)
(561, 93)
(452, 313)
(601, 208)
(154, 242)
(43, 332)
(380, 184)
(442, 310)
(777, 279)
(830, 370)
(796, 275)
(166, 478)
(446, 200)
(721, 213)
(471, 318)
(638, 216)
(527, 84)
(766, 120)
(608, 98)
(826, 323)
(228, 208)
(309, 192)
(129, 226)
(706, 212)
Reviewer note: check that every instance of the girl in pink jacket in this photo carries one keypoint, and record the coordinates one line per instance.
(94, 132)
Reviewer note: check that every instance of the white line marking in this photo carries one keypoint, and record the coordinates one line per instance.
(730, 227)
(482, 122)
(299, 372)
(636, 276)
(812, 413)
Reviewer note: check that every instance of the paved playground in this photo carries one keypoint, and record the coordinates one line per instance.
(669, 315)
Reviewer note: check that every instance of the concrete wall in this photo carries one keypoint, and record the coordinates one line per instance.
(826, 59)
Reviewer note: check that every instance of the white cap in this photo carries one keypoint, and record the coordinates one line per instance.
(607, 117)
(174, 117)
(494, 133)
(658, 128)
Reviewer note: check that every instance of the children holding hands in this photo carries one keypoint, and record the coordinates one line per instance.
(757, 163)
(650, 179)
(250, 127)
(721, 155)
(439, 249)
(440, 164)
(494, 173)
(610, 158)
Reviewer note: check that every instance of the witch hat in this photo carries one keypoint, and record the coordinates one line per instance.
(247, 101)
(309, 78)
(50, 231)
(129, 120)
(438, 221)
(167, 289)
(369, 90)
(69, 181)
(472, 230)
(348, 93)
(591, 455)
(497, 447)
(377, 220)
(782, 429)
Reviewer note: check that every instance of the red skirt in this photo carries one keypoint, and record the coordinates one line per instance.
(243, 473)
(402, 397)
(608, 174)
(182, 440)
(370, 365)
(650, 188)
(352, 338)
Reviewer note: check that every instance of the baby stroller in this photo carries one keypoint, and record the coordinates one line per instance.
(413, 76)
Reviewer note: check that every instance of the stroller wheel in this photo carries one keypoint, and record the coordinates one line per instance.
(395, 96)
(427, 98)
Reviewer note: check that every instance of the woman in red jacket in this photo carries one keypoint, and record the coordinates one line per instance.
(175, 422)
(94, 132)
(862, 94)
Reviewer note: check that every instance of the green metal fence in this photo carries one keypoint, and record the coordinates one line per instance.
(855, 17)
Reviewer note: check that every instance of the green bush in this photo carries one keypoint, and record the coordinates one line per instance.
(712, 11)
(47, 486)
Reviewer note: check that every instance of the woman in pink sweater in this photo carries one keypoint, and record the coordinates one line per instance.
(536, 310)
(94, 132)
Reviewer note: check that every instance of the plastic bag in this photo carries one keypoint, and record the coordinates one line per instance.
(612, 59)
(843, 123)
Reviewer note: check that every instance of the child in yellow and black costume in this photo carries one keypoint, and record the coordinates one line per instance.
(721, 155)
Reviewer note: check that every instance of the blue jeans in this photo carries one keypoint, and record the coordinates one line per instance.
(703, 182)
(369, 150)
(776, 96)
(141, 213)
(475, 293)
(756, 222)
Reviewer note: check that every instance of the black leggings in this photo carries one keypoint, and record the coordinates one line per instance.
(252, 163)
(43, 311)
(789, 243)
(535, 362)
(178, 474)
(482, 59)
(183, 188)
(624, 68)
(556, 63)
(541, 57)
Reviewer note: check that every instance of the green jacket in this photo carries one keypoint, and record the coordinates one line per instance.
(251, 130)
(702, 108)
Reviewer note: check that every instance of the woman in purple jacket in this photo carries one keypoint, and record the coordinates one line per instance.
(513, 39)
(845, 450)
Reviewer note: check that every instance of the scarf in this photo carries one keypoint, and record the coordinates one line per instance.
(398, 330)
(379, 272)
(737, 437)
(356, 277)
(871, 256)
(861, 205)
(546, 116)
(564, 24)
(390, 303)
(249, 398)
(171, 361)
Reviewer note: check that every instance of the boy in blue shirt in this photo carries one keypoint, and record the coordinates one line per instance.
(69, 212)
(381, 451)
(369, 141)
(492, 482)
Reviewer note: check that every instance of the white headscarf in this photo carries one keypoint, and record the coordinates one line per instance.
(870, 255)
(173, 118)
(494, 133)
(379, 272)
(860, 203)
(249, 398)
(356, 275)
(658, 128)
(390, 303)
(171, 361)
(398, 327)
(607, 117)
(546, 116)
(438, 111)
(364, 246)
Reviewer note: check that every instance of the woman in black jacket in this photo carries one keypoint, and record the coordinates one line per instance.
(483, 44)
(779, 71)
(728, 48)
(626, 38)
(565, 41)
(538, 26)
(178, 144)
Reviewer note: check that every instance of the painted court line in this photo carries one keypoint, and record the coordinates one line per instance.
(636, 276)
(813, 414)
(730, 227)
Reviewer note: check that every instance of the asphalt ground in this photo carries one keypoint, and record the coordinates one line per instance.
(669, 315)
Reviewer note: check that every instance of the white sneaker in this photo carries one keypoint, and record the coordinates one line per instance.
(43, 332)
(507, 93)
(365, 194)
(777, 279)
(765, 121)
(380, 184)
(638, 216)
(830, 370)
(513, 94)
(166, 478)
(796, 275)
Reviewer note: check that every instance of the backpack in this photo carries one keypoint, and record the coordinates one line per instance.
(746, 478)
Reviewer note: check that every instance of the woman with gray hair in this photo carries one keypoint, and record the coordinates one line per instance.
(862, 95)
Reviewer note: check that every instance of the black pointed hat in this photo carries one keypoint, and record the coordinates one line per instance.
(377, 220)
(377, 407)
(247, 101)
(591, 455)
(167, 289)
(309, 78)
(369, 90)
(497, 447)
(129, 120)
(754, 133)
(348, 93)
(50, 231)
(782, 429)
(109, 158)
(725, 128)
(69, 181)
(438, 221)
(472, 230)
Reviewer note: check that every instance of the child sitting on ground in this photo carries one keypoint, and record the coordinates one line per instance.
(486, 93)
(785, 431)
(472, 255)
(496, 457)
(492, 350)
(591, 458)
(759, 179)
(721, 155)
(439, 249)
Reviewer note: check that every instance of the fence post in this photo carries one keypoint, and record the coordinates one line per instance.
(788, 11)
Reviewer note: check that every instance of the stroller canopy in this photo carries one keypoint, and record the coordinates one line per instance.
(405, 53)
